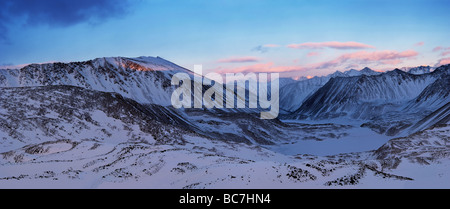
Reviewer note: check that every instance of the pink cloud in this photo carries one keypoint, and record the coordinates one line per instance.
(392, 62)
(261, 68)
(419, 43)
(331, 44)
(312, 54)
(443, 61)
(445, 50)
(438, 48)
(382, 57)
(445, 53)
(238, 60)
(271, 45)
(386, 57)
(379, 55)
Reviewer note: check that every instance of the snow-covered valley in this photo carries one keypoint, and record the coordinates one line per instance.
(204, 163)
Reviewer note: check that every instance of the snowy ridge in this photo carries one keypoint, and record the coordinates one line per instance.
(418, 70)
(144, 79)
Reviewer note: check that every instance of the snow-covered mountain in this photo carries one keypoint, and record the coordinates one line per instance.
(360, 94)
(388, 103)
(435, 94)
(418, 70)
(146, 80)
(143, 79)
(293, 94)
(365, 71)
(364, 97)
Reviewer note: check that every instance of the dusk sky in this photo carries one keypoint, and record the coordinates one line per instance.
(295, 38)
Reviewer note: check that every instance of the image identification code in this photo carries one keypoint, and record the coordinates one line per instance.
(226, 199)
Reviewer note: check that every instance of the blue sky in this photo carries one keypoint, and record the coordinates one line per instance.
(295, 38)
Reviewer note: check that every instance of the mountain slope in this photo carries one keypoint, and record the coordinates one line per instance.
(435, 94)
(424, 147)
(440, 116)
(49, 113)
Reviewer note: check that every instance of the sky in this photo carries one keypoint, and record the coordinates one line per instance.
(294, 38)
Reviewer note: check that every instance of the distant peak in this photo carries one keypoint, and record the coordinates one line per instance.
(396, 71)
(420, 70)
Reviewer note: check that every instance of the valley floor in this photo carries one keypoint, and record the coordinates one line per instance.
(204, 163)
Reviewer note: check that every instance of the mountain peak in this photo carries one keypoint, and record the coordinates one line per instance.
(352, 72)
(443, 69)
(366, 69)
(396, 71)
(337, 74)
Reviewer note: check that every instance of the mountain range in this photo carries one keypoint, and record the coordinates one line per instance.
(107, 121)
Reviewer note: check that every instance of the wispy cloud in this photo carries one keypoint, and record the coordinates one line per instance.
(312, 54)
(238, 60)
(445, 53)
(261, 68)
(331, 44)
(419, 43)
(271, 45)
(264, 48)
(441, 48)
(443, 61)
(444, 50)
(438, 48)
(386, 57)
(379, 57)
